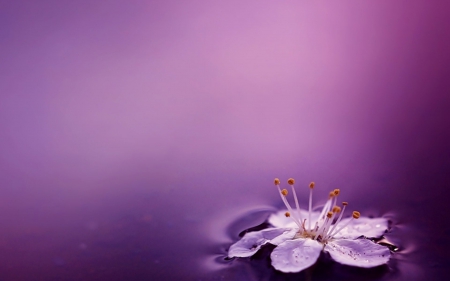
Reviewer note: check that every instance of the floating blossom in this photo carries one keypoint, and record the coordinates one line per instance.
(300, 235)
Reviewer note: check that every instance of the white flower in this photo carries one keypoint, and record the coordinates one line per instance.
(300, 236)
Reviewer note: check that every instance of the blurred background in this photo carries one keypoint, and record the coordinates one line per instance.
(133, 133)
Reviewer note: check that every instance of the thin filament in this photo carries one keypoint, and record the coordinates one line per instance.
(321, 228)
(310, 207)
(294, 217)
(325, 210)
(337, 231)
(296, 203)
(327, 226)
(337, 222)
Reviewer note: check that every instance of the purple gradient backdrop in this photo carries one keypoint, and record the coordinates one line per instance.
(153, 108)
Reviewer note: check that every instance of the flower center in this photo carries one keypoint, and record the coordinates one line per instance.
(327, 224)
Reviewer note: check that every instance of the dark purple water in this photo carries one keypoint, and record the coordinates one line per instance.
(137, 140)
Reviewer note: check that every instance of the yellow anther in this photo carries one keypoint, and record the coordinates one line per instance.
(312, 184)
(291, 181)
(329, 214)
(276, 181)
(284, 192)
(331, 194)
(336, 209)
(336, 192)
(344, 203)
(356, 214)
(287, 214)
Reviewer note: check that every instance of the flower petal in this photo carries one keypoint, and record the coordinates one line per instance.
(295, 255)
(279, 219)
(368, 227)
(360, 252)
(289, 234)
(252, 242)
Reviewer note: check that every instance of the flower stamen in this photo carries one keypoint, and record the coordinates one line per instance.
(336, 193)
(327, 206)
(311, 187)
(327, 225)
(283, 194)
(338, 220)
(324, 225)
(291, 182)
(355, 215)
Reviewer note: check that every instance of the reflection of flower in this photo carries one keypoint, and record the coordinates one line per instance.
(301, 235)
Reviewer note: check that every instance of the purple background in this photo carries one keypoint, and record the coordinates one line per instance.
(132, 132)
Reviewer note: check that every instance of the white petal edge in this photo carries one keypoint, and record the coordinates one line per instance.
(295, 255)
(287, 235)
(279, 219)
(359, 252)
(367, 227)
(252, 242)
